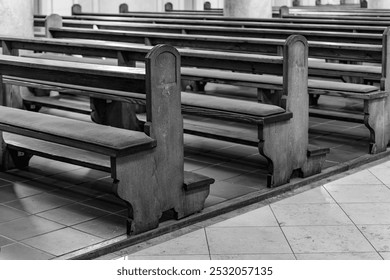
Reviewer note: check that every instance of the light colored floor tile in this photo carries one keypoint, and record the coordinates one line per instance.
(368, 213)
(385, 255)
(382, 172)
(194, 243)
(378, 235)
(18, 251)
(28, 227)
(317, 195)
(359, 193)
(247, 240)
(340, 256)
(310, 214)
(259, 217)
(62, 241)
(254, 257)
(360, 178)
(167, 257)
(326, 239)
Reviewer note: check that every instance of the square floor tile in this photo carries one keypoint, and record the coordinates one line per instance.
(257, 179)
(246, 240)
(385, 255)
(72, 214)
(38, 203)
(326, 239)
(106, 227)
(316, 195)
(107, 203)
(364, 177)
(9, 214)
(228, 190)
(76, 193)
(254, 257)
(16, 191)
(193, 243)
(259, 217)
(18, 251)
(382, 172)
(310, 214)
(378, 235)
(219, 172)
(27, 227)
(368, 213)
(339, 256)
(213, 200)
(62, 241)
(192, 164)
(3, 183)
(359, 193)
(5, 241)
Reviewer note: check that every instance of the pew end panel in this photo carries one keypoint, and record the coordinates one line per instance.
(293, 134)
(385, 82)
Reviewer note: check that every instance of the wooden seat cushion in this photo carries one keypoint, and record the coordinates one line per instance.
(93, 137)
(262, 80)
(230, 105)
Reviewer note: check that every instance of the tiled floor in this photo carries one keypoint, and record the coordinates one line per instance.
(347, 218)
(55, 209)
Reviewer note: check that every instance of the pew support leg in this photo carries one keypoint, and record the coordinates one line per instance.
(376, 119)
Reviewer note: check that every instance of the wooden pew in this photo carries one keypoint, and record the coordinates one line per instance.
(338, 26)
(350, 91)
(348, 51)
(146, 167)
(251, 117)
(327, 36)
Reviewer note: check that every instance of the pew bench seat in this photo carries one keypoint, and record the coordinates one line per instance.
(105, 140)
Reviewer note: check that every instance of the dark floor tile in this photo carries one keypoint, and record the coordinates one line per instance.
(107, 202)
(9, 214)
(62, 241)
(76, 193)
(3, 183)
(5, 241)
(106, 227)
(192, 164)
(212, 200)
(72, 214)
(80, 176)
(18, 251)
(227, 190)
(257, 179)
(220, 172)
(38, 203)
(27, 227)
(342, 156)
(16, 191)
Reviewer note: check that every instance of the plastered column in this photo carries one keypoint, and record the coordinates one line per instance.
(248, 8)
(378, 4)
(307, 2)
(280, 3)
(16, 18)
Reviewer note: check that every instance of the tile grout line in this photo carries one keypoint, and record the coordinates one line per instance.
(288, 242)
(207, 242)
(342, 209)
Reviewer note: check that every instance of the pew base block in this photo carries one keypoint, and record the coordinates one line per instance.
(315, 160)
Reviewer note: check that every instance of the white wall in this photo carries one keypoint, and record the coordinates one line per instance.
(279, 3)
